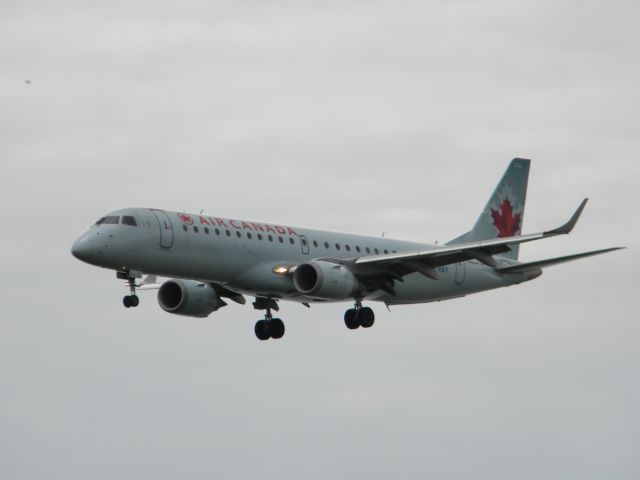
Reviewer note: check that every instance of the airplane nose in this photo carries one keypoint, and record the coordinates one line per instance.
(82, 249)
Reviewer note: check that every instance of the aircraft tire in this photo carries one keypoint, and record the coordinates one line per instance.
(276, 328)
(351, 319)
(126, 301)
(135, 301)
(262, 330)
(366, 317)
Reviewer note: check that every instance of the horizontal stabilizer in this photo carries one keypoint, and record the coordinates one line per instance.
(525, 267)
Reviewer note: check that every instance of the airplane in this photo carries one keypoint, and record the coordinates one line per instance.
(209, 258)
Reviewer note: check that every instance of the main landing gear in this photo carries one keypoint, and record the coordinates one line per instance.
(269, 327)
(131, 300)
(359, 316)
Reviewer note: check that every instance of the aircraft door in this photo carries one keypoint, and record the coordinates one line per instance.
(460, 273)
(305, 244)
(166, 228)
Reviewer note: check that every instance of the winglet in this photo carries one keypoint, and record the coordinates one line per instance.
(567, 227)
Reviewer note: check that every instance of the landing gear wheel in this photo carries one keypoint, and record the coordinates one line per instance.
(366, 317)
(276, 328)
(262, 330)
(351, 319)
(269, 327)
(130, 276)
(130, 301)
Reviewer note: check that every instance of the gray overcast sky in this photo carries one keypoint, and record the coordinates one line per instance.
(361, 116)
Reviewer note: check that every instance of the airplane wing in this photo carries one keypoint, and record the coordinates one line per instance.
(482, 250)
(382, 271)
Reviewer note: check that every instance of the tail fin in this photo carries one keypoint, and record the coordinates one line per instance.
(503, 214)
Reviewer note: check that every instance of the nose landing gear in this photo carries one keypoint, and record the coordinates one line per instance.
(130, 276)
(359, 316)
(130, 300)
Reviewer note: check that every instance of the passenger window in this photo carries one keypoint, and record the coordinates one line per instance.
(368, 250)
(206, 230)
(386, 251)
(108, 221)
(280, 239)
(291, 240)
(259, 236)
(184, 227)
(347, 248)
(238, 234)
(337, 246)
(376, 250)
(228, 233)
(195, 229)
(217, 231)
(248, 235)
(304, 242)
(326, 245)
(127, 220)
(357, 249)
(270, 238)
(315, 244)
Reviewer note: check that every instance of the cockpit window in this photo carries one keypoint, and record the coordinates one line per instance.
(127, 220)
(108, 220)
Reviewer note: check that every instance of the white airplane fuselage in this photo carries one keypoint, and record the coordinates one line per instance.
(241, 255)
(211, 258)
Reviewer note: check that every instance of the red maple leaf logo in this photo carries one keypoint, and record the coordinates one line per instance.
(185, 218)
(507, 223)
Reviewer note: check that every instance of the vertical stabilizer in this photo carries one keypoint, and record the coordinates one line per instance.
(503, 214)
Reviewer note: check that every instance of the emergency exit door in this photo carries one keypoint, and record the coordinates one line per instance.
(304, 243)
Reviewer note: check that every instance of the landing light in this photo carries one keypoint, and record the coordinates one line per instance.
(282, 269)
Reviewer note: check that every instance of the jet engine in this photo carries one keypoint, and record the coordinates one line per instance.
(189, 298)
(325, 280)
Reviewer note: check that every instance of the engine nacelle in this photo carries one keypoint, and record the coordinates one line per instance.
(188, 297)
(325, 280)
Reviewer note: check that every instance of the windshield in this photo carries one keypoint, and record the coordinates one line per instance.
(128, 220)
(108, 220)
